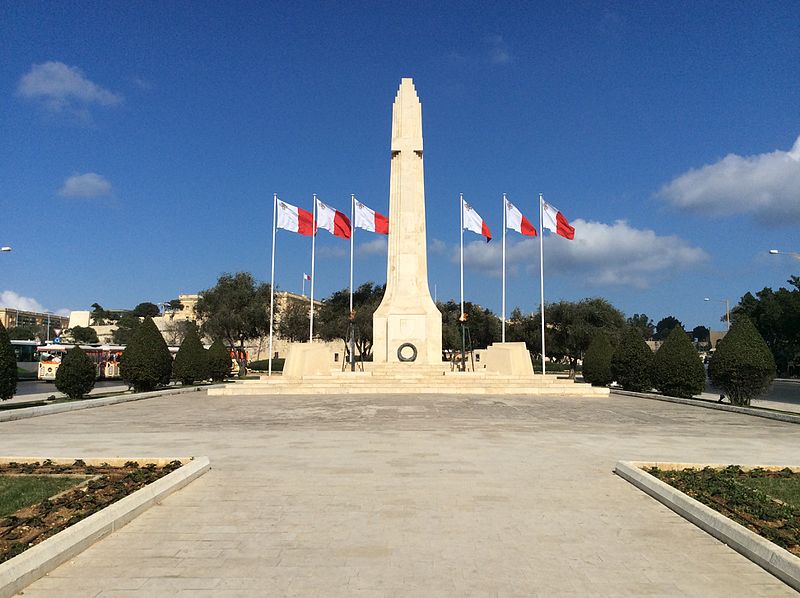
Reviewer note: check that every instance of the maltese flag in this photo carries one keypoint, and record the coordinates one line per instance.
(333, 221)
(473, 221)
(306, 276)
(516, 221)
(554, 220)
(370, 219)
(295, 219)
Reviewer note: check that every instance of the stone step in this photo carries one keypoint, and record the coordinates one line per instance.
(580, 391)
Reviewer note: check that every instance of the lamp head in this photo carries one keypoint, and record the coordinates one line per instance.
(774, 251)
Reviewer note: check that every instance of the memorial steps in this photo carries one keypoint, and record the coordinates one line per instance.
(389, 379)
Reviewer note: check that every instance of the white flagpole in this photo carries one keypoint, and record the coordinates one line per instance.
(313, 246)
(304, 284)
(461, 207)
(352, 236)
(541, 271)
(504, 270)
(272, 283)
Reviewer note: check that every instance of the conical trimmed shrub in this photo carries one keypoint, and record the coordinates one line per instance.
(8, 366)
(219, 361)
(597, 361)
(77, 374)
(191, 362)
(677, 368)
(742, 366)
(632, 362)
(146, 361)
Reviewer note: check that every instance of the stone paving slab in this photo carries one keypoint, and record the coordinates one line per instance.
(409, 496)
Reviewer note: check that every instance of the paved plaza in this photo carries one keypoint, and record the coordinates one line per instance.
(408, 496)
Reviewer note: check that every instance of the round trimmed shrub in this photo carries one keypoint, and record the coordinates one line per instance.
(677, 368)
(191, 362)
(597, 361)
(219, 361)
(742, 366)
(146, 361)
(8, 366)
(632, 362)
(77, 373)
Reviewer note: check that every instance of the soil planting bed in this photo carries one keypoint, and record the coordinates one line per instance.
(731, 492)
(106, 484)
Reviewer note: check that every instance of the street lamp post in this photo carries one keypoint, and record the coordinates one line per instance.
(727, 310)
(794, 254)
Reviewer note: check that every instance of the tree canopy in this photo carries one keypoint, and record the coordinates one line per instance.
(235, 309)
(665, 326)
(83, 334)
(334, 316)
(484, 326)
(570, 327)
(21, 333)
(146, 309)
(776, 316)
(643, 324)
(126, 328)
(293, 324)
(8, 366)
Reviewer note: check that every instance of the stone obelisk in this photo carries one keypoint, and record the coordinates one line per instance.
(407, 314)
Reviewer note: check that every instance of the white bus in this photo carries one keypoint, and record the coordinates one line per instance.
(105, 357)
(27, 358)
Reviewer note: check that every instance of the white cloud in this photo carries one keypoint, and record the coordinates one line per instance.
(90, 184)
(61, 87)
(498, 50)
(765, 185)
(377, 245)
(16, 301)
(601, 255)
(437, 247)
(332, 251)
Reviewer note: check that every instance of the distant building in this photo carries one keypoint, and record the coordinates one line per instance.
(34, 320)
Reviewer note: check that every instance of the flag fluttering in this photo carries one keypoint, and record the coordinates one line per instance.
(294, 219)
(370, 220)
(516, 221)
(473, 222)
(554, 220)
(333, 221)
(306, 276)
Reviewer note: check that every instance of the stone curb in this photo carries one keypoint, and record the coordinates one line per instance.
(783, 417)
(26, 412)
(24, 569)
(771, 557)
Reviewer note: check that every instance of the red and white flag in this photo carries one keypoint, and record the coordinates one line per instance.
(473, 222)
(306, 276)
(516, 221)
(333, 221)
(554, 220)
(294, 219)
(370, 219)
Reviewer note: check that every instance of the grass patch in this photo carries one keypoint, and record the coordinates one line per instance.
(17, 492)
(785, 489)
(765, 502)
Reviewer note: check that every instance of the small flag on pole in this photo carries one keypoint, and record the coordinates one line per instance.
(516, 221)
(473, 222)
(370, 220)
(306, 276)
(554, 221)
(333, 221)
(294, 219)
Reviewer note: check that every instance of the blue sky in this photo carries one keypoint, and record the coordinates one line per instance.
(141, 143)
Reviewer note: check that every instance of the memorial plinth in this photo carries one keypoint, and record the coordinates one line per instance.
(407, 314)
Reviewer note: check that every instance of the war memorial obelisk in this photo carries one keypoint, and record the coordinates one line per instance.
(407, 314)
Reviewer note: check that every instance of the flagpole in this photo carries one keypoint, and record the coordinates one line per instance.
(304, 284)
(272, 283)
(541, 271)
(352, 235)
(503, 316)
(461, 207)
(313, 249)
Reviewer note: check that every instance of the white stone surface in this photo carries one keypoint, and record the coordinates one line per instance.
(508, 358)
(407, 313)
